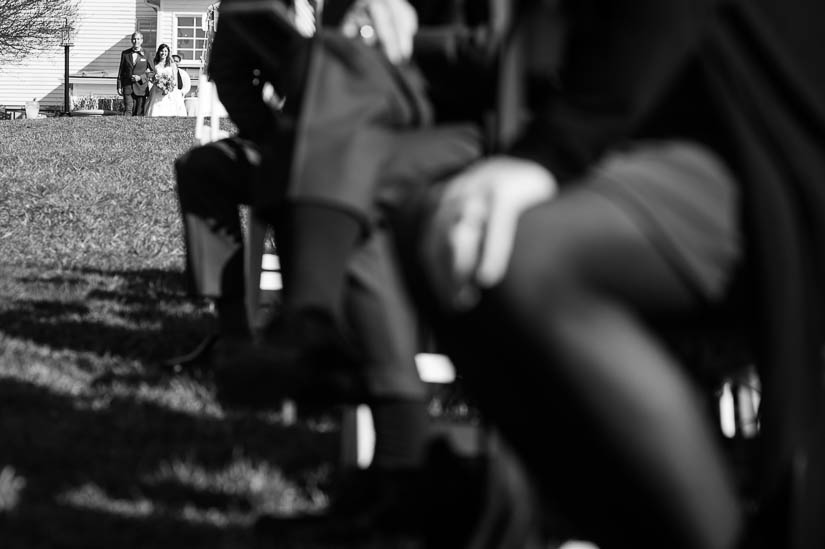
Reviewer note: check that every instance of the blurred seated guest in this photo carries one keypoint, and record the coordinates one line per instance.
(370, 355)
(212, 180)
(677, 146)
(330, 158)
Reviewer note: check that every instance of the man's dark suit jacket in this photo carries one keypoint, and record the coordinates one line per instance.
(357, 111)
(142, 66)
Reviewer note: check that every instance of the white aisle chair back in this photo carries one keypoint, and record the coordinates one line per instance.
(211, 108)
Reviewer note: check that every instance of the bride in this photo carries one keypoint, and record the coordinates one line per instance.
(165, 99)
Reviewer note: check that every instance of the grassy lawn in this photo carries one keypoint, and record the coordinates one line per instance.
(94, 452)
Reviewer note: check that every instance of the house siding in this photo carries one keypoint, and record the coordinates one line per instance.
(167, 20)
(102, 31)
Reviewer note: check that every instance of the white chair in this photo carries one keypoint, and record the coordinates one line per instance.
(207, 130)
(209, 108)
(262, 270)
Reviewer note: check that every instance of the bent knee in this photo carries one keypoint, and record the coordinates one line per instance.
(544, 269)
(190, 167)
(211, 164)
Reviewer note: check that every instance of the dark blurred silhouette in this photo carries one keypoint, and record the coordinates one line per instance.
(345, 331)
(666, 174)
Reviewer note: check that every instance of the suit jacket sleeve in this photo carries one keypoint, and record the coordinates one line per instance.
(150, 71)
(618, 58)
(239, 73)
(123, 72)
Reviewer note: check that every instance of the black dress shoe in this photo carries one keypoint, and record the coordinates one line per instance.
(305, 360)
(196, 362)
(453, 501)
(365, 505)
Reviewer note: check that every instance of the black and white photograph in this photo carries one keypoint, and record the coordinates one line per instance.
(412, 274)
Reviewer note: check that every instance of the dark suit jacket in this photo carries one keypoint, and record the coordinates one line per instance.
(354, 116)
(142, 67)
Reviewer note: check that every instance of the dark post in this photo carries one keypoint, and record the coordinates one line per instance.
(66, 42)
(66, 105)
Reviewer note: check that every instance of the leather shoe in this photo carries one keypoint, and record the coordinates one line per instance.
(196, 362)
(365, 504)
(476, 502)
(305, 360)
(205, 357)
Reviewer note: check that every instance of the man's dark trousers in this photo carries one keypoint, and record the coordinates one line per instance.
(212, 181)
(135, 104)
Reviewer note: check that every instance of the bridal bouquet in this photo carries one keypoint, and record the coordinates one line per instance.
(164, 82)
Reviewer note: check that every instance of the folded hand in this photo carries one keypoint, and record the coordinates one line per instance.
(468, 242)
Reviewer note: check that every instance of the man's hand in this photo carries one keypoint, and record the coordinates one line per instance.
(391, 23)
(468, 242)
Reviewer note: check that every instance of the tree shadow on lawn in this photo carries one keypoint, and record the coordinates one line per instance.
(118, 464)
(125, 473)
(114, 465)
(142, 315)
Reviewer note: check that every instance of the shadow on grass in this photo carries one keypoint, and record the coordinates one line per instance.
(135, 286)
(141, 460)
(98, 475)
(143, 315)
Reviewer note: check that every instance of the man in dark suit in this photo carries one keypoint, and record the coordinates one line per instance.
(326, 183)
(336, 255)
(366, 295)
(133, 76)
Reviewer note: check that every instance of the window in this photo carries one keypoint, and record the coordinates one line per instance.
(148, 26)
(190, 38)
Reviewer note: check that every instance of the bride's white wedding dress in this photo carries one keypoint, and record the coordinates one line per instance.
(170, 104)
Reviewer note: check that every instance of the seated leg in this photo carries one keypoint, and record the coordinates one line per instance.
(212, 181)
(564, 359)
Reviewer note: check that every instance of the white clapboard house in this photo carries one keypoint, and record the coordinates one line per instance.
(102, 30)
